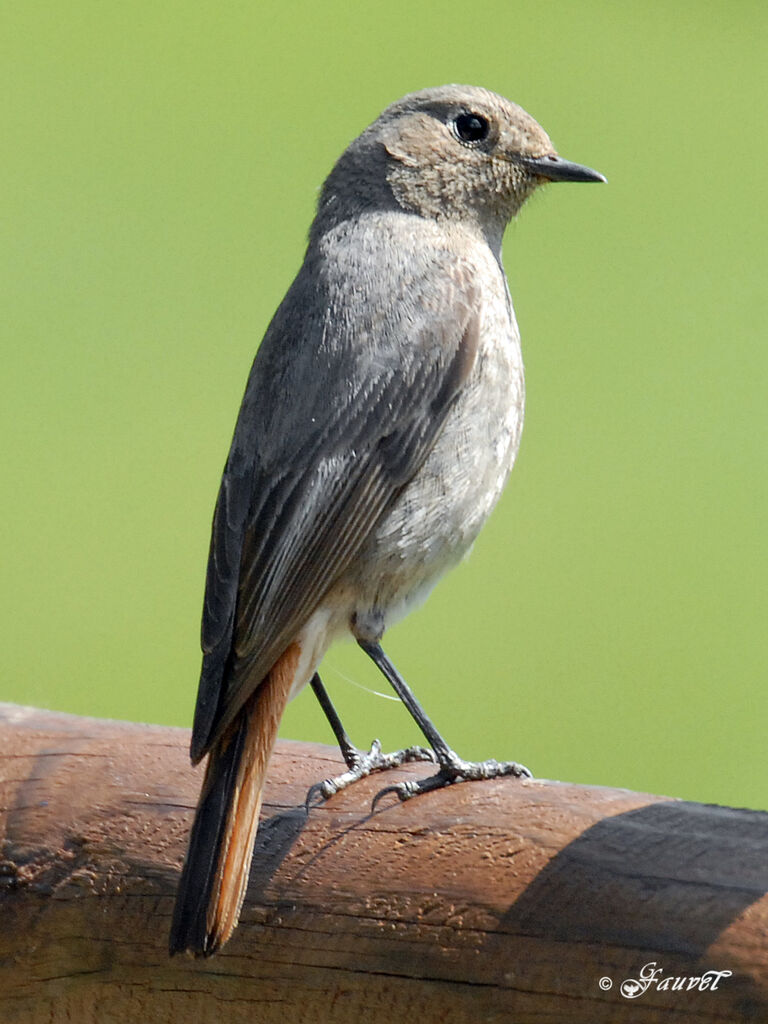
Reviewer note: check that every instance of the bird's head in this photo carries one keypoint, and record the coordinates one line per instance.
(453, 153)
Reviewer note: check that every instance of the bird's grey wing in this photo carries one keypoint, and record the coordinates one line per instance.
(330, 431)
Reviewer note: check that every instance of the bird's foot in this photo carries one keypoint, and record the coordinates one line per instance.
(361, 764)
(454, 769)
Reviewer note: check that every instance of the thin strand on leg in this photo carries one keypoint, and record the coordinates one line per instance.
(407, 696)
(452, 767)
(359, 763)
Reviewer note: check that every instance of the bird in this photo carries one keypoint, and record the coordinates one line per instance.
(380, 421)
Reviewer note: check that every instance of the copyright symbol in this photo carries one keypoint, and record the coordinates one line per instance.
(605, 984)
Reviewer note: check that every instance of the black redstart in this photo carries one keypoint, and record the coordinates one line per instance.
(379, 424)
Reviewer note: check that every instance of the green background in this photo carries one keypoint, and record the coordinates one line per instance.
(160, 167)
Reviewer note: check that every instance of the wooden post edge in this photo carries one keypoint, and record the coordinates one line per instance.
(494, 901)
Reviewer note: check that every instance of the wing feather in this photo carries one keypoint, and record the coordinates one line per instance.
(349, 390)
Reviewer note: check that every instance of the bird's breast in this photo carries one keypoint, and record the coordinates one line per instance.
(434, 521)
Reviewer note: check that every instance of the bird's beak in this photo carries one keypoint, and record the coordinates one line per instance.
(555, 168)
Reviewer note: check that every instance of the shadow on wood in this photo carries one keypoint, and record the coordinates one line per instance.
(495, 901)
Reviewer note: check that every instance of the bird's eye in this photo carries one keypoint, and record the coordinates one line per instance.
(471, 128)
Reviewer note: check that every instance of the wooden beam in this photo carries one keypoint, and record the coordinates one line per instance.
(498, 901)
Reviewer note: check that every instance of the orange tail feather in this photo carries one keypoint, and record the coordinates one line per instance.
(215, 873)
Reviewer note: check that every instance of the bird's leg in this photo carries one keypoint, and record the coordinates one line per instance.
(452, 767)
(359, 763)
(349, 751)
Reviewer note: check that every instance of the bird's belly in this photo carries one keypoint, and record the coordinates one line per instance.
(433, 523)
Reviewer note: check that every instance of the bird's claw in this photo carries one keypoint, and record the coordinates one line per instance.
(403, 790)
(451, 771)
(360, 765)
(458, 770)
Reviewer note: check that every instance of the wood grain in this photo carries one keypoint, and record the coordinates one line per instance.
(500, 901)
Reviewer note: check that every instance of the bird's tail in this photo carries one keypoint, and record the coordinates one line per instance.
(215, 873)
